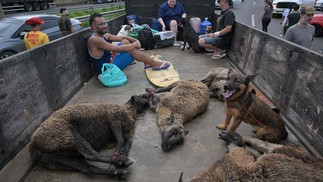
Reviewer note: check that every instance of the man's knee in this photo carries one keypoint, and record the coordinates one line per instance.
(201, 42)
(125, 41)
(173, 23)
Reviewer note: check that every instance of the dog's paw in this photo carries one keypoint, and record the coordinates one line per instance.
(221, 127)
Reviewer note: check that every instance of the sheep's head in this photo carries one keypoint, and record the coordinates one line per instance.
(172, 134)
(140, 102)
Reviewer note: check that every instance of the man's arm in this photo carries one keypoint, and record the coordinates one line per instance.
(99, 43)
(115, 38)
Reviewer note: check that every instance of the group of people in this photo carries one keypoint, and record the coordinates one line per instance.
(169, 14)
(295, 21)
(35, 37)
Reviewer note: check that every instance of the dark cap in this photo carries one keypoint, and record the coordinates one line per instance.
(62, 10)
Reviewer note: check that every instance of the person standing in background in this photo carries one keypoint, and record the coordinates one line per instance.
(64, 23)
(303, 32)
(169, 14)
(35, 37)
(266, 16)
(292, 18)
(284, 18)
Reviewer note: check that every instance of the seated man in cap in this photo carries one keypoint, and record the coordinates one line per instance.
(64, 23)
(35, 37)
(303, 32)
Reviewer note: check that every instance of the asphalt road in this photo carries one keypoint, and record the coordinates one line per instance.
(249, 12)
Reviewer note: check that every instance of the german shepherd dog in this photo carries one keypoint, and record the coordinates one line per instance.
(245, 106)
(190, 36)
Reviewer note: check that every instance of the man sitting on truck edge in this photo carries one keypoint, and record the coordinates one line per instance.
(221, 39)
(100, 46)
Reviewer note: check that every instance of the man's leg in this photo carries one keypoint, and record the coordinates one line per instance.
(143, 57)
(210, 43)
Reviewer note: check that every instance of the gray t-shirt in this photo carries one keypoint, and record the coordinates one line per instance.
(268, 12)
(302, 36)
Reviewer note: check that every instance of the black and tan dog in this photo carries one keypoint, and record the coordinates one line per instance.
(243, 105)
(190, 36)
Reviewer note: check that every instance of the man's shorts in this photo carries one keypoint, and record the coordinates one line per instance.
(122, 60)
(216, 41)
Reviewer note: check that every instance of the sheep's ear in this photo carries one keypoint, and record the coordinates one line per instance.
(171, 118)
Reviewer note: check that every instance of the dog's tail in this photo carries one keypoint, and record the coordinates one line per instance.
(180, 177)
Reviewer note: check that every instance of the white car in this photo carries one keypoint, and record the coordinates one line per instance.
(319, 5)
(280, 5)
(234, 3)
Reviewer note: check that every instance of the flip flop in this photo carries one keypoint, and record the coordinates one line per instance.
(214, 56)
(162, 67)
(146, 67)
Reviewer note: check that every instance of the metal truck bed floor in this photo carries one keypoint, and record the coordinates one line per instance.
(201, 148)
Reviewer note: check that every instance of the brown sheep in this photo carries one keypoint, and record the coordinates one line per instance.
(215, 80)
(180, 103)
(278, 163)
(73, 135)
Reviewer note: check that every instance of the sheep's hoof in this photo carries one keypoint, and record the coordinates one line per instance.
(231, 137)
(121, 161)
(121, 173)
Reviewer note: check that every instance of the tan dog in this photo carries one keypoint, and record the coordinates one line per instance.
(215, 80)
(243, 105)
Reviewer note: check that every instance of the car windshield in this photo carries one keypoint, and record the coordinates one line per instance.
(8, 27)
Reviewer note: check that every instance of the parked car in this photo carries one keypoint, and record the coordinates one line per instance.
(13, 29)
(317, 22)
(318, 5)
(280, 5)
(234, 3)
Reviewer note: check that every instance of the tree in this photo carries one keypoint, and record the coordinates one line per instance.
(1, 13)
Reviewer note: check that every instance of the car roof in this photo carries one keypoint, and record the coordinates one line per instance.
(26, 17)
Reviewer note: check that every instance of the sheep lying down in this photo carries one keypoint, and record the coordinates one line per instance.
(74, 134)
(175, 105)
(252, 159)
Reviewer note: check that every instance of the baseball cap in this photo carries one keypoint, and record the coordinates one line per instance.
(307, 10)
(62, 10)
(34, 21)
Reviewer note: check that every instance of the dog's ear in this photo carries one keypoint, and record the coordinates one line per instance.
(249, 78)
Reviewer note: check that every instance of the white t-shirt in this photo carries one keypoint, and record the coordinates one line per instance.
(285, 14)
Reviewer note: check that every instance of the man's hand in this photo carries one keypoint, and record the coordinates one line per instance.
(163, 28)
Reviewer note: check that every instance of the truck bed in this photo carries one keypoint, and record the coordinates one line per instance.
(200, 149)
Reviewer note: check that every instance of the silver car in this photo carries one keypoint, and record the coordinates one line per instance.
(13, 29)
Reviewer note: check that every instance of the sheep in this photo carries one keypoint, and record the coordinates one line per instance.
(277, 163)
(180, 103)
(215, 80)
(73, 135)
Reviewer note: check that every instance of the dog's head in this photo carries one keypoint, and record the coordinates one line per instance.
(236, 85)
(183, 22)
(172, 134)
(124, 30)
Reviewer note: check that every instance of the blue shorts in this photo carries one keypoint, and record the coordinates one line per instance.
(216, 41)
(122, 60)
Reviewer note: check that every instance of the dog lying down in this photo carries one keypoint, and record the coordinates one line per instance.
(272, 162)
